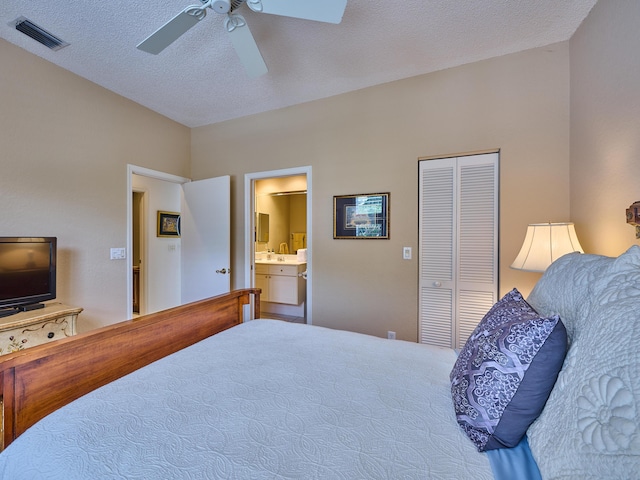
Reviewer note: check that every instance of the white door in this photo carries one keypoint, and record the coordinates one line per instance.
(205, 230)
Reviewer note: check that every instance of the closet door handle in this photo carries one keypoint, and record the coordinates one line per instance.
(437, 284)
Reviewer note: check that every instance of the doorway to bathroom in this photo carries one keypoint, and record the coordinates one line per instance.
(278, 242)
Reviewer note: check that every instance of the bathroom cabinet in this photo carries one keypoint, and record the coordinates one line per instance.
(280, 282)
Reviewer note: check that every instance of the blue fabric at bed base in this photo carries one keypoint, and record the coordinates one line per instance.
(512, 463)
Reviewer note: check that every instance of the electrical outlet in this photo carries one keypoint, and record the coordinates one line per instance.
(406, 253)
(391, 335)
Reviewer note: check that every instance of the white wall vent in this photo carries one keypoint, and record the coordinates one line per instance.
(38, 33)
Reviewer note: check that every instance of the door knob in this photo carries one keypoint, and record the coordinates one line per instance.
(223, 271)
(437, 284)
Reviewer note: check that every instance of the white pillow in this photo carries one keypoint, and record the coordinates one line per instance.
(590, 426)
(563, 289)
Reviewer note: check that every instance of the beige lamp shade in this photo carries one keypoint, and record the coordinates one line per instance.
(545, 243)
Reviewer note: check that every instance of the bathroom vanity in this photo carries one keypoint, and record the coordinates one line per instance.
(281, 280)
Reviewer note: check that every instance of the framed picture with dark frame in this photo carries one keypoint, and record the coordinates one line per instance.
(364, 216)
(168, 224)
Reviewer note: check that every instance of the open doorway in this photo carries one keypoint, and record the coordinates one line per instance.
(138, 215)
(177, 267)
(158, 289)
(278, 241)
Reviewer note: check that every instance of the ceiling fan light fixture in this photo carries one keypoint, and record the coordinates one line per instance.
(255, 5)
(39, 34)
(234, 21)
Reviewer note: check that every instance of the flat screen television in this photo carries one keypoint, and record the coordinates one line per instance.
(27, 273)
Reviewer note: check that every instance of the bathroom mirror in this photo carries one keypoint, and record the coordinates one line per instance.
(262, 227)
(287, 221)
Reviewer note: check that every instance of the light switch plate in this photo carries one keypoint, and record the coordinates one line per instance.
(406, 253)
(118, 254)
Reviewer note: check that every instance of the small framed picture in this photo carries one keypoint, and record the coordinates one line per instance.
(168, 224)
(364, 216)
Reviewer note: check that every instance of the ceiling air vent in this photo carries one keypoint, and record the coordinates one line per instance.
(39, 34)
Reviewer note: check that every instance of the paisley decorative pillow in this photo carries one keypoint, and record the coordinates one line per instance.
(505, 372)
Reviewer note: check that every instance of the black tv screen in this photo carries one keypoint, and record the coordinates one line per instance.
(27, 270)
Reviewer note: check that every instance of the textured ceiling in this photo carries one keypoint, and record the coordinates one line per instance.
(198, 80)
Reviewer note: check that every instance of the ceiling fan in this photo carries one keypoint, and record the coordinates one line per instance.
(329, 11)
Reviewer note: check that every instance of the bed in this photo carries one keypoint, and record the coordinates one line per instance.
(197, 392)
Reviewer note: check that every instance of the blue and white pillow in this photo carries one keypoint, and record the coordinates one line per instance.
(505, 372)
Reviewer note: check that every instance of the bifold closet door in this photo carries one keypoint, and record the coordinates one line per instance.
(458, 246)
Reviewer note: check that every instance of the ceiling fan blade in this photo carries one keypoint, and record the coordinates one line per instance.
(245, 45)
(169, 32)
(329, 11)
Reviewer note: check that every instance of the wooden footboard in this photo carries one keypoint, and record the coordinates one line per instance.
(36, 381)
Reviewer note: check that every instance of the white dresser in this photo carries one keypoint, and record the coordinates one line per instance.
(28, 329)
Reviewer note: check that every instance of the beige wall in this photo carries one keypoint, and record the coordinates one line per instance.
(65, 143)
(64, 147)
(605, 125)
(369, 141)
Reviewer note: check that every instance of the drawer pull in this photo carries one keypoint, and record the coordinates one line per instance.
(50, 335)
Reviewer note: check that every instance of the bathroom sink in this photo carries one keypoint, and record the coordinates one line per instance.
(281, 259)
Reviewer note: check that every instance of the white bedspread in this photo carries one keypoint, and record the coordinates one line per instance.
(266, 399)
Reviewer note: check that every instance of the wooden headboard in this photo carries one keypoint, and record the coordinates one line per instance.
(36, 381)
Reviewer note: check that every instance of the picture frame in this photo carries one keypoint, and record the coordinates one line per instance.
(168, 224)
(361, 216)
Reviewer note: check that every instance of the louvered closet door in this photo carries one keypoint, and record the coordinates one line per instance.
(477, 282)
(458, 246)
(437, 251)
